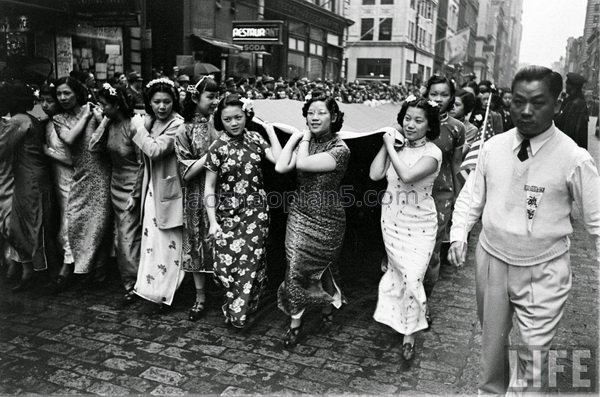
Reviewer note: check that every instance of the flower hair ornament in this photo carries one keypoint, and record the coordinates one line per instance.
(248, 105)
(433, 104)
(308, 97)
(193, 89)
(111, 90)
(410, 98)
(162, 80)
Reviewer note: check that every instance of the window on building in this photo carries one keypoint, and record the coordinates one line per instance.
(596, 7)
(296, 44)
(385, 29)
(297, 28)
(369, 68)
(596, 18)
(386, 2)
(296, 65)
(411, 31)
(407, 74)
(316, 49)
(412, 4)
(366, 29)
(368, 2)
(427, 72)
(316, 34)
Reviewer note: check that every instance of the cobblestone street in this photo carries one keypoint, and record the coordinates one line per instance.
(80, 342)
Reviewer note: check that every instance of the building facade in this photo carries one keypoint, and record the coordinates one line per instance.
(591, 47)
(392, 41)
(102, 37)
(311, 38)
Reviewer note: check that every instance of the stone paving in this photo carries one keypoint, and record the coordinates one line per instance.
(83, 342)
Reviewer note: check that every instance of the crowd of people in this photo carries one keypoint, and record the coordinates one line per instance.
(180, 189)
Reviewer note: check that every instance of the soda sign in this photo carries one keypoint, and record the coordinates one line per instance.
(256, 48)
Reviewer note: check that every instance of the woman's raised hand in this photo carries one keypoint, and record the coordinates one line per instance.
(215, 230)
(389, 138)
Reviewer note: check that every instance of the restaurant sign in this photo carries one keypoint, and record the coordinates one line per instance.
(257, 32)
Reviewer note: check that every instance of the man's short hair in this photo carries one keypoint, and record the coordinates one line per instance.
(552, 79)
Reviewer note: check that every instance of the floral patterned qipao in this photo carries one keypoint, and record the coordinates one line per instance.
(243, 215)
(191, 143)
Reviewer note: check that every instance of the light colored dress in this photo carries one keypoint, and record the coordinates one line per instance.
(160, 272)
(62, 170)
(408, 226)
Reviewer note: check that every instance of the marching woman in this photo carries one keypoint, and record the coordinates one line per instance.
(448, 184)
(62, 169)
(113, 136)
(32, 190)
(236, 205)
(314, 234)
(194, 137)
(408, 218)
(159, 272)
(88, 211)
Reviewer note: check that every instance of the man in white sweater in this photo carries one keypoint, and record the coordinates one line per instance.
(523, 189)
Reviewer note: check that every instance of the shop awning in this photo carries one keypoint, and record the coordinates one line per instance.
(219, 43)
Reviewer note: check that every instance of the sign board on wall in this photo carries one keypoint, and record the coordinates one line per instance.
(257, 32)
(64, 56)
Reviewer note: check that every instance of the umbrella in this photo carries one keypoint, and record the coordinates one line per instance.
(199, 69)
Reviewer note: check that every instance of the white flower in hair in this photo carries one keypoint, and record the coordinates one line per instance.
(111, 90)
(248, 105)
(410, 98)
(308, 97)
(51, 85)
(36, 94)
(162, 80)
(433, 104)
(478, 117)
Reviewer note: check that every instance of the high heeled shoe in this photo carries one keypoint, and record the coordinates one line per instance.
(326, 322)
(408, 351)
(292, 336)
(196, 311)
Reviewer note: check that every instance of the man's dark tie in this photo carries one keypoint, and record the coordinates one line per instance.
(522, 155)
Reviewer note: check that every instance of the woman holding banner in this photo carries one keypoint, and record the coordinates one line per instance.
(314, 233)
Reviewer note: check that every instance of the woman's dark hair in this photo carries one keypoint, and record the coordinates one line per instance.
(160, 85)
(206, 83)
(21, 97)
(473, 85)
(437, 79)
(488, 85)
(230, 100)
(75, 85)
(431, 112)
(553, 80)
(117, 96)
(46, 88)
(468, 100)
(330, 104)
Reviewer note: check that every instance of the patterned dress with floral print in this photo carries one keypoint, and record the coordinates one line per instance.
(451, 139)
(192, 142)
(89, 207)
(315, 233)
(243, 215)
